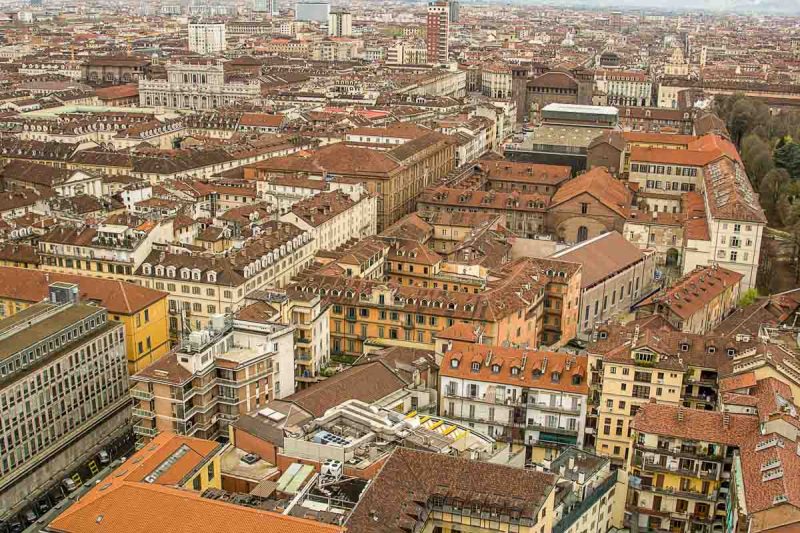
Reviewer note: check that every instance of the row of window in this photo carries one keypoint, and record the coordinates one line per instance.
(690, 172)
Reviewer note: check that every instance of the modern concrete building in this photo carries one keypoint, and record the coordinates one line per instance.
(438, 31)
(340, 24)
(63, 392)
(216, 375)
(207, 38)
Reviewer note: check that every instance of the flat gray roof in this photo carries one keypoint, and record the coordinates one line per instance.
(31, 335)
(585, 109)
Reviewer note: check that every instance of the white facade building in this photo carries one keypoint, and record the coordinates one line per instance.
(192, 86)
(340, 24)
(207, 38)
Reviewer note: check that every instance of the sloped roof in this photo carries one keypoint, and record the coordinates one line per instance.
(599, 184)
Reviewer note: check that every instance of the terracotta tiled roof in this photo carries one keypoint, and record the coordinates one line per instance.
(737, 382)
(695, 290)
(367, 382)
(601, 256)
(395, 498)
(525, 172)
(124, 506)
(536, 369)
(119, 297)
(599, 184)
(694, 212)
(695, 424)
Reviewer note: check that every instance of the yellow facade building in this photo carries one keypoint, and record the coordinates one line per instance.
(143, 311)
(680, 468)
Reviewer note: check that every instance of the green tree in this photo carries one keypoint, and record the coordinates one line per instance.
(788, 157)
(771, 188)
(748, 297)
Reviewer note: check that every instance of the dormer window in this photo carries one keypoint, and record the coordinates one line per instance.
(147, 269)
(196, 274)
(576, 380)
(555, 377)
(514, 371)
(171, 272)
(536, 373)
(495, 368)
(185, 273)
(453, 363)
(603, 335)
(712, 349)
(684, 346)
(731, 352)
(476, 366)
(211, 277)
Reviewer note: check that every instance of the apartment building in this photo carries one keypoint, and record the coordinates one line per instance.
(142, 311)
(396, 176)
(309, 316)
(215, 375)
(333, 218)
(340, 24)
(697, 302)
(650, 360)
(496, 81)
(595, 498)
(438, 35)
(671, 170)
(625, 87)
(732, 232)
(386, 314)
(113, 249)
(681, 467)
(62, 371)
(524, 213)
(201, 285)
(535, 398)
(207, 38)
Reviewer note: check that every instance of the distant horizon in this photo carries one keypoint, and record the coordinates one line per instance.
(737, 7)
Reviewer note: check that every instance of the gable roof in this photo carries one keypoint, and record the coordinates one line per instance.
(119, 297)
(409, 478)
(602, 186)
(601, 256)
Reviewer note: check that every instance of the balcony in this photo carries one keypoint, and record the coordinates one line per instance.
(143, 413)
(691, 453)
(305, 341)
(555, 408)
(229, 401)
(680, 493)
(141, 394)
(552, 429)
(144, 431)
(482, 399)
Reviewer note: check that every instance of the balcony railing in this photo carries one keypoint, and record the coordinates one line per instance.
(140, 394)
(556, 408)
(143, 413)
(496, 401)
(552, 429)
(145, 431)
